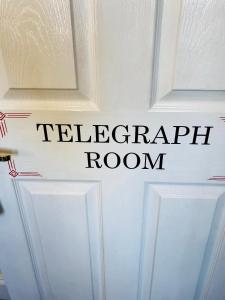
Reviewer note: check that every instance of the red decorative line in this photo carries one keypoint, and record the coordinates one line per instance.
(1, 131)
(14, 173)
(3, 128)
(217, 178)
(29, 174)
(6, 129)
(17, 115)
(10, 165)
(3, 116)
(13, 164)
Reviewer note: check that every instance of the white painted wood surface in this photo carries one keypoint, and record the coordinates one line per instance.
(188, 56)
(200, 59)
(114, 234)
(183, 228)
(62, 77)
(70, 244)
(37, 45)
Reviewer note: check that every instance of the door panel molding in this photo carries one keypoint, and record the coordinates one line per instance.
(187, 221)
(68, 241)
(82, 95)
(164, 94)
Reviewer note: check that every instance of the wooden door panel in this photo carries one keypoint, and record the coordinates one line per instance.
(114, 64)
(200, 62)
(36, 44)
(47, 55)
(183, 242)
(66, 248)
(188, 67)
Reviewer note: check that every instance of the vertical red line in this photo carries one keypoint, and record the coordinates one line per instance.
(6, 129)
(13, 164)
(10, 165)
(1, 129)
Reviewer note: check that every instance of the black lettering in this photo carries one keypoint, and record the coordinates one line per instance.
(143, 135)
(101, 133)
(152, 165)
(163, 136)
(79, 136)
(94, 159)
(64, 132)
(46, 139)
(126, 136)
(178, 134)
(117, 162)
(196, 134)
(125, 159)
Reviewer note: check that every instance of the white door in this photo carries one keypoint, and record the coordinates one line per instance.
(114, 115)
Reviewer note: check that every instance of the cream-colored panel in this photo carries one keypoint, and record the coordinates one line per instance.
(188, 56)
(182, 253)
(36, 42)
(200, 63)
(63, 223)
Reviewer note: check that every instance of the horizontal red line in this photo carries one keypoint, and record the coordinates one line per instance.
(217, 179)
(18, 114)
(24, 113)
(13, 116)
(37, 175)
(29, 173)
(18, 117)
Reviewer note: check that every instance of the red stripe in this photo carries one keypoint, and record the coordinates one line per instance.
(8, 114)
(17, 117)
(36, 175)
(10, 169)
(217, 179)
(13, 163)
(29, 173)
(10, 165)
(6, 129)
(1, 129)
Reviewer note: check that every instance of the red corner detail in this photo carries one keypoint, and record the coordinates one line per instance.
(13, 173)
(2, 116)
